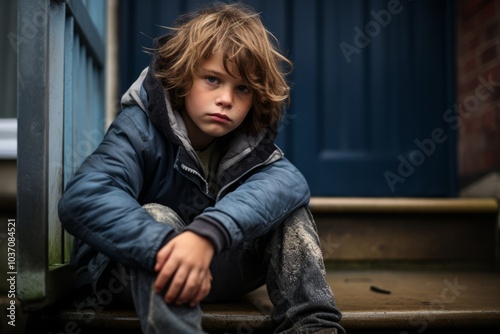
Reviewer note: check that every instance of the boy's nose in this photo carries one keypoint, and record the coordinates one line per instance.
(225, 98)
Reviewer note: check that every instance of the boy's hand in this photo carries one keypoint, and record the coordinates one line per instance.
(184, 264)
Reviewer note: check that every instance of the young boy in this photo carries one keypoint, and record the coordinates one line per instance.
(188, 195)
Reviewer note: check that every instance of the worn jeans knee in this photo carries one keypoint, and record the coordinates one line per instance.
(296, 282)
(165, 215)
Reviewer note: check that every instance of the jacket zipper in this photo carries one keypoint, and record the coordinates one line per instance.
(195, 172)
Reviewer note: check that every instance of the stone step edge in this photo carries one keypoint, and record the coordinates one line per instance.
(403, 205)
(223, 321)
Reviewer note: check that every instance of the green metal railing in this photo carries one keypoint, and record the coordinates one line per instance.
(60, 121)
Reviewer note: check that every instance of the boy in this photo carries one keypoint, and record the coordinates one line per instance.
(196, 137)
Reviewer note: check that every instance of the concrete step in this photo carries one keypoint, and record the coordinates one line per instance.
(384, 301)
(412, 233)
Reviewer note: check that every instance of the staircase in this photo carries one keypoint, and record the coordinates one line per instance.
(413, 265)
(395, 266)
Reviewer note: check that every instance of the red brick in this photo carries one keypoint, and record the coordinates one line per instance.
(473, 43)
(492, 137)
(476, 15)
(473, 4)
(494, 73)
(479, 135)
(492, 31)
(460, 92)
(489, 121)
(467, 88)
(467, 44)
(466, 129)
(469, 24)
(488, 12)
(469, 65)
(472, 7)
(474, 163)
(478, 126)
(472, 126)
(489, 54)
(491, 159)
(469, 5)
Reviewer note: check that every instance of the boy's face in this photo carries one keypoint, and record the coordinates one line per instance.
(216, 104)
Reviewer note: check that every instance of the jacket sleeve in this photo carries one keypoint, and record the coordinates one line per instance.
(99, 205)
(258, 205)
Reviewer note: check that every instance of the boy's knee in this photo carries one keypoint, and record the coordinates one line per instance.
(165, 215)
(301, 216)
(300, 224)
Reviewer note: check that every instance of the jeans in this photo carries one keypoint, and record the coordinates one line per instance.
(287, 259)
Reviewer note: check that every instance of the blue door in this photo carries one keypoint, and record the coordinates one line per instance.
(373, 89)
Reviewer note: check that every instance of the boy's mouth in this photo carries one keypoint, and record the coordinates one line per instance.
(219, 117)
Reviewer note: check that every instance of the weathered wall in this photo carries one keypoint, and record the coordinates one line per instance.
(478, 88)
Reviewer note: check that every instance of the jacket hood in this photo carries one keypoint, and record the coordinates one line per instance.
(137, 95)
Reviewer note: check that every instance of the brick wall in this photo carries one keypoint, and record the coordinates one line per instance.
(478, 88)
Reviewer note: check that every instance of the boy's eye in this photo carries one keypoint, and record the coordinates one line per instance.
(243, 89)
(211, 79)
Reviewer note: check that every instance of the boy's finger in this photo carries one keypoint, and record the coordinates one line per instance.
(162, 256)
(176, 285)
(202, 292)
(190, 288)
(164, 275)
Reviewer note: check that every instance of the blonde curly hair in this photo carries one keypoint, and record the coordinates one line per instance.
(235, 30)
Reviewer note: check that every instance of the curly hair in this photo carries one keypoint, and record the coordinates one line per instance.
(236, 31)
